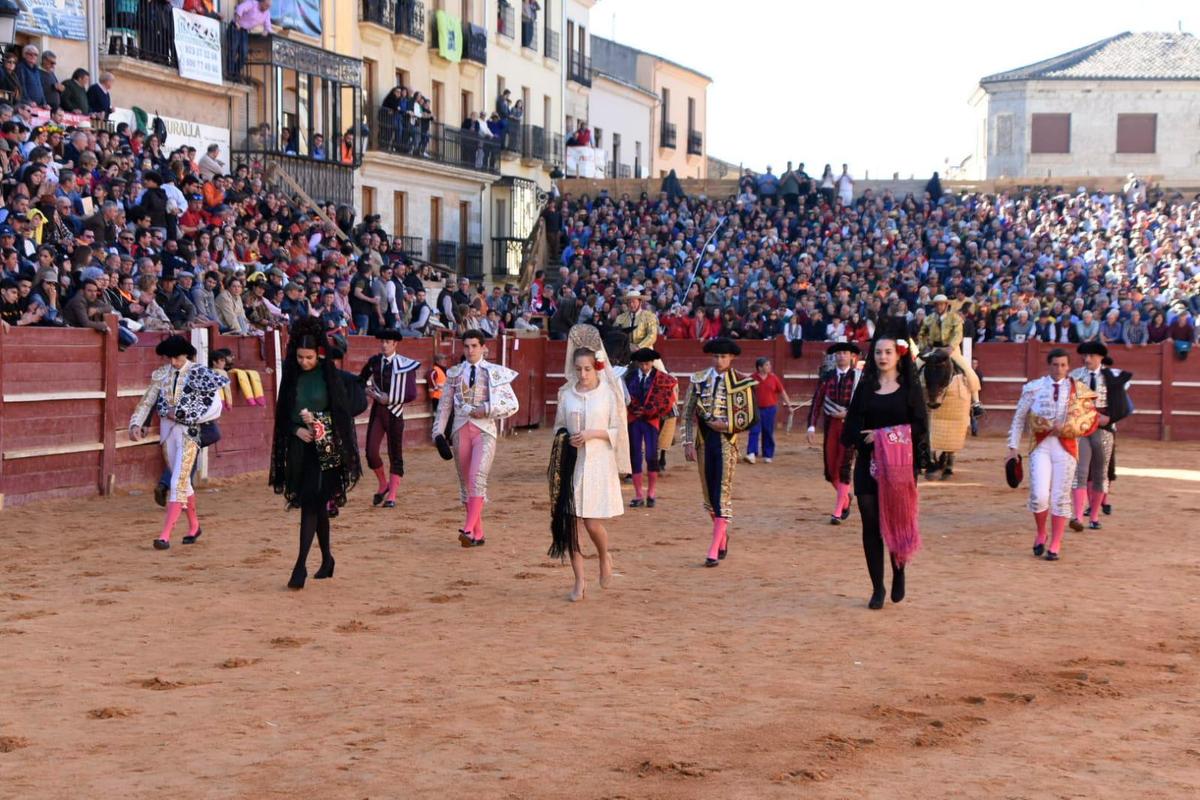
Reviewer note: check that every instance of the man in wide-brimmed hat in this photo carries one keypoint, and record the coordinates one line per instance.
(641, 322)
(943, 330)
(185, 395)
(1095, 451)
(719, 405)
(829, 405)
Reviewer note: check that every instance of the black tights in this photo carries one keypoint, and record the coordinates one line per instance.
(314, 521)
(868, 509)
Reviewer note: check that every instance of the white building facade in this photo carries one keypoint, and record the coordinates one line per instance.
(622, 118)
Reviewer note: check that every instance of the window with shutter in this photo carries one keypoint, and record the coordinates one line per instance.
(1136, 133)
(1050, 133)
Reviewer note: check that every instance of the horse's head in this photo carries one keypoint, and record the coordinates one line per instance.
(936, 374)
(616, 342)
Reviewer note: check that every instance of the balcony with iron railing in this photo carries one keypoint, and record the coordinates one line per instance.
(444, 252)
(472, 260)
(148, 34)
(410, 19)
(533, 143)
(413, 246)
(667, 135)
(624, 171)
(401, 134)
(378, 12)
(695, 145)
(554, 158)
(551, 40)
(507, 252)
(529, 33)
(506, 20)
(579, 68)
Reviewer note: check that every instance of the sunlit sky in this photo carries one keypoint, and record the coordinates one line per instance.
(876, 84)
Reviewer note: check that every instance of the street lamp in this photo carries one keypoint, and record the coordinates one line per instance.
(9, 11)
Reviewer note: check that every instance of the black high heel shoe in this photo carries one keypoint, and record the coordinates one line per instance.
(877, 598)
(326, 570)
(299, 574)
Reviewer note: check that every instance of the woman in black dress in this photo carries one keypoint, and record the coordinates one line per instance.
(314, 458)
(889, 396)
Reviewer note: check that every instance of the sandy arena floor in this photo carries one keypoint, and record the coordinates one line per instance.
(425, 670)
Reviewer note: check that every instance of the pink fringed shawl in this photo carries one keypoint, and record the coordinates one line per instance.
(892, 468)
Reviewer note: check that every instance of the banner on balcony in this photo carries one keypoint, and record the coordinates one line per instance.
(198, 44)
(302, 16)
(450, 37)
(62, 19)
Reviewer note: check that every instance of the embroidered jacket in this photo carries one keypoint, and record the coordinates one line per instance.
(650, 397)
(192, 394)
(470, 386)
(395, 376)
(715, 397)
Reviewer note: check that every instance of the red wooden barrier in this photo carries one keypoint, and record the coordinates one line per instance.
(66, 396)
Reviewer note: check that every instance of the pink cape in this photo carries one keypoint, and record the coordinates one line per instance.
(892, 468)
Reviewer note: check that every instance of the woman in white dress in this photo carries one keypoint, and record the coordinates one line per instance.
(591, 444)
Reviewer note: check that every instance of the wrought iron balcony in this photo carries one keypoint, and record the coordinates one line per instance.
(551, 39)
(579, 68)
(472, 260)
(378, 12)
(667, 135)
(444, 252)
(507, 253)
(695, 143)
(410, 19)
(148, 34)
(506, 20)
(403, 135)
(413, 246)
(324, 181)
(533, 142)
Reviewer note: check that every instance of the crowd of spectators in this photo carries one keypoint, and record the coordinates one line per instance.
(100, 218)
(807, 259)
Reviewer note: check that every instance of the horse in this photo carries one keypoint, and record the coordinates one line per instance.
(948, 401)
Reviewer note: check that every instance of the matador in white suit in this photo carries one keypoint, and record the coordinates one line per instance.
(479, 394)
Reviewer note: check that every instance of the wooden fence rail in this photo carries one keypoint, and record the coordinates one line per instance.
(66, 396)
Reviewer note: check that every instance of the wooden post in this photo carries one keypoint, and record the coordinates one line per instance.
(108, 411)
(1166, 373)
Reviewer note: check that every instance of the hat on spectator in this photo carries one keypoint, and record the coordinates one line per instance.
(293, 285)
(1092, 349)
(185, 274)
(91, 274)
(6, 230)
(842, 347)
(173, 346)
(258, 277)
(722, 346)
(941, 298)
(644, 354)
(634, 293)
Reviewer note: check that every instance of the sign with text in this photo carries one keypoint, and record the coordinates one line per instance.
(182, 132)
(61, 19)
(198, 45)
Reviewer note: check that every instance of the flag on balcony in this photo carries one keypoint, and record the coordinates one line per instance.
(450, 37)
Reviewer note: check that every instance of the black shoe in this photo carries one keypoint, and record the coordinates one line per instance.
(930, 474)
(636, 502)
(947, 474)
(1106, 508)
(162, 544)
(299, 574)
(877, 598)
(1075, 525)
(160, 495)
(897, 585)
(846, 513)
(835, 520)
(465, 539)
(651, 502)
(711, 562)
(389, 503)
(191, 538)
(1095, 525)
(476, 542)
(1051, 556)
(326, 570)
(721, 553)
(1038, 550)
(377, 498)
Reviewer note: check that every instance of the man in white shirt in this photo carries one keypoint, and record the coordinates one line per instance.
(845, 186)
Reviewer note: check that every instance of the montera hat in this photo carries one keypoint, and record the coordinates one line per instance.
(1092, 349)
(1014, 472)
(443, 447)
(722, 346)
(842, 347)
(644, 354)
(173, 346)
(390, 335)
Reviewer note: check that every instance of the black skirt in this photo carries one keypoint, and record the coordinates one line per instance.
(305, 480)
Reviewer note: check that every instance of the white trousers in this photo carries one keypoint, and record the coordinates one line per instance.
(1051, 475)
(180, 453)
